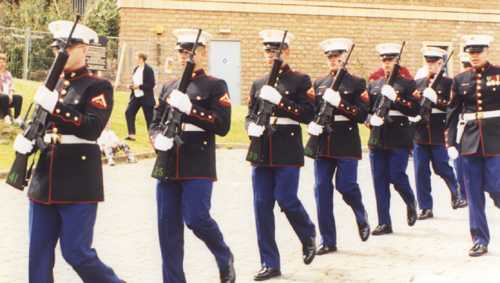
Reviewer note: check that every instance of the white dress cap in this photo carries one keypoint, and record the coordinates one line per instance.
(431, 51)
(275, 36)
(62, 29)
(185, 36)
(477, 40)
(336, 44)
(388, 49)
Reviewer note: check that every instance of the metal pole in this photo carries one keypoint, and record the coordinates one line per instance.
(27, 48)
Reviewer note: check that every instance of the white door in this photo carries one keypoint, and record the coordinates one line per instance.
(224, 62)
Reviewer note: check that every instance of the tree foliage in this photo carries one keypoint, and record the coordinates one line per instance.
(103, 17)
(100, 15)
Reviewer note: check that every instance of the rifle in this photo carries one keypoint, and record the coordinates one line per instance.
(171, 120)
(426, 105)
(265, 110)
(383, 104)
(19, 173)
(23, 123)
(325, 116)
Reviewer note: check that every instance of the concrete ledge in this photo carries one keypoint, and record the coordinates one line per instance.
(324, 9)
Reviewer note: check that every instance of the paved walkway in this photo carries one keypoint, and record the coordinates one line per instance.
(126, 235)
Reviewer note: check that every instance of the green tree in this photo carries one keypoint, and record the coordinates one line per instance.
(103, 17)
(36, 15)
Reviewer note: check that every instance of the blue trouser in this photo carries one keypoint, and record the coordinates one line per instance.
(459, 171)
(346, 175)
(481, 175)
(73, 226)
(187, 202)
(277, 184)
(389, 167)
(438, 156)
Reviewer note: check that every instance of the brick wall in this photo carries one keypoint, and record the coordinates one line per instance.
(309, 31)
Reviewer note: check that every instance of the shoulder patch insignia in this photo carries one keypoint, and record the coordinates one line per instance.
(224, 100)
(99, 102)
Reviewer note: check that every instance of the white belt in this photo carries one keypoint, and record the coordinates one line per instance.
(481, 115)
(186, 127)
(67, 139)
(283, 121)
(395, 113)
(340, 118)
(437, 111)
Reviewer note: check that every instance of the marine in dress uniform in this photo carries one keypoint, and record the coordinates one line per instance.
(473, 124)
(389, 154)
(429, 136)
(276, 179)
(184, 196)
(458, 162)
(67, 182)
(339, 146)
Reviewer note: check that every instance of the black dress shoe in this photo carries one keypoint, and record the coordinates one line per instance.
(228, 275)
(364, 231)
(382, 230)
(478, 250)
(411, 214)
(309, 250)
(130, 138)
(425, 214)
(458, 203)
(323, 250)
(266, 273)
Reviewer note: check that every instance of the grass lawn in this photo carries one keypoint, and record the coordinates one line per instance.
(236, 135)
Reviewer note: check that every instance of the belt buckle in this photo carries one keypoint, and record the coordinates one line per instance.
(273, 120)
(55, 138)
(480, 115)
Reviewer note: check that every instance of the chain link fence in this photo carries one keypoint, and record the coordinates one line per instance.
(29, 56)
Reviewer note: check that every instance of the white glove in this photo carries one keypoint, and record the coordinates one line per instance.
(314, 129)
(389, 92)
(376, 121)
(180, 101)
(23, 145)
(415, 119)
(452, 152)
(255, 130)
(430, 94)
(163, 143)
(270, 94)
(332, 97)
(46, 99)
